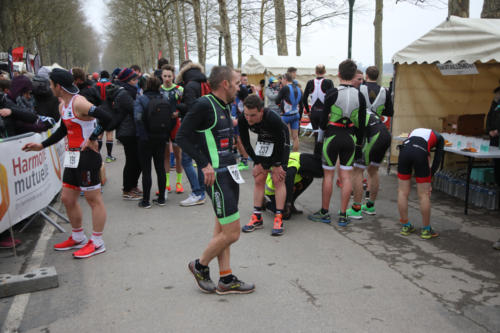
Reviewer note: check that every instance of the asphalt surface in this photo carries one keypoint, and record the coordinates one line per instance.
(315, 278)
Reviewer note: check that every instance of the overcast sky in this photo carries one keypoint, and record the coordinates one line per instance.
(402, 24)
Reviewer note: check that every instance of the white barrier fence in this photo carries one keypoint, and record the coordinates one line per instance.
(28, 180)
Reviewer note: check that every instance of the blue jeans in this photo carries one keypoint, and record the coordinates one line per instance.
(196, 181)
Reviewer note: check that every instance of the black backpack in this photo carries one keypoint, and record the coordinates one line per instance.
(158, 118)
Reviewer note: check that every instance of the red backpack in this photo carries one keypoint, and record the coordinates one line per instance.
(205, 88)
(102, 87)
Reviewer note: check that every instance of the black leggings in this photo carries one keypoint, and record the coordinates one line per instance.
(132, 168)
(155, 150)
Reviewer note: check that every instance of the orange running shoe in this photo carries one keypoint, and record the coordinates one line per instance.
(277, 226)
(89, 250)
(70, 244)
(168, 189)
(255, 223)
(178, 188)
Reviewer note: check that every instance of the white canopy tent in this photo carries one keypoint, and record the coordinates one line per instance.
(260, 67)
(451, 70)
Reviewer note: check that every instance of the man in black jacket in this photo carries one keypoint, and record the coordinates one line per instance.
(191, 77)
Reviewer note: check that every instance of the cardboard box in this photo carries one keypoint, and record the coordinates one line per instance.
(466, 124)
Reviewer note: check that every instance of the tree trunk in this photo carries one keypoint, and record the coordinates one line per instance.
(299, 28)
(491, 9)
(379, 61)
(458, 8)
(279, 12)
(180, 44)
(224, 22)
(186, 45)
(261, 26)
(239, 34)
(199, 32)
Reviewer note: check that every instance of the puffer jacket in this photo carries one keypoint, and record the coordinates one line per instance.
(190, 77)
(124, 106)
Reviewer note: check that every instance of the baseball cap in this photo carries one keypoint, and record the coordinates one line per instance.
(65, 79)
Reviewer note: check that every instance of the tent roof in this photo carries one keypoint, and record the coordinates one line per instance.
(258, 64)
(456, 39)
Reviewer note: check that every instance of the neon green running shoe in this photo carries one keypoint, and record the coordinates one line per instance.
(407, 230)
(368, 210)
(428, 233)
(243, 166)
(353, 214)
(318, 217)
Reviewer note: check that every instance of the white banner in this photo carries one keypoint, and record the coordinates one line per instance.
(461, 68)
(28, 180)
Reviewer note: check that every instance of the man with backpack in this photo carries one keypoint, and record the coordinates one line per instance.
(290, 100)
(101, 85)
(153, 122)
(195, 85)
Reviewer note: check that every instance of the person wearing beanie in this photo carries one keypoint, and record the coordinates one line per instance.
(20, 93)
(115, 73)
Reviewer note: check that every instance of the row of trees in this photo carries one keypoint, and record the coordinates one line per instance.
(56, 29)
(139, 29)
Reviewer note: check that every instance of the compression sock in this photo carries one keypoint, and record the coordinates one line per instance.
(257, 212)
(179, 178)
(356, 206)
(97, 238)
(78, 235)
(167, 175)
(109, 147)
(324, 211)
(99, 142)
(427, 227)
(199, 266)
(226, 276)
(370, 203)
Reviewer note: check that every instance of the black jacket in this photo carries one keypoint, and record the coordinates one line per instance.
(90, 92)
(123, 109)
(47, 105)
(190, 77)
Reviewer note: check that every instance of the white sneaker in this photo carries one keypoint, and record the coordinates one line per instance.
(193, 200)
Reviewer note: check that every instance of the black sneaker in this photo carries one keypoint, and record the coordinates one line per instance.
(202, 278)
(144, 204)
(160, 202)
(234, 287)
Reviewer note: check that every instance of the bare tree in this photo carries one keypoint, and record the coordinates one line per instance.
(491, 9)
(238, 28)
(224, 22)
(458, 8)
(199, 32)
(280, 23)
(379, 10)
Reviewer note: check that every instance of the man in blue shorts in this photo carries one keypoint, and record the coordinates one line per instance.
(290, 100)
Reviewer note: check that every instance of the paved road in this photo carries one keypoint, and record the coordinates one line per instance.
(315, 278)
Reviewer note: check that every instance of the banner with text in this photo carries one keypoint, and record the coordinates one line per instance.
(28, 180)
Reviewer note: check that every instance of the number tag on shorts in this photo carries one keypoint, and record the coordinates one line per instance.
(71, 159)
(264, 148)
(235, 173)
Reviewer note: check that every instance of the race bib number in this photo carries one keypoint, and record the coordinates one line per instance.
(264, 148)
(235, 173)
(71, 159)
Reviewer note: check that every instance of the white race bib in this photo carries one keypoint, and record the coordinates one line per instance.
(235, 173)
(264, 148)
(71, 159)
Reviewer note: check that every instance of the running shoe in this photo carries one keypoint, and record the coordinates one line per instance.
(167, 188)
(144, 204)
(343, 221)
(70, 244)
(110, 159)
(193, 200)
(202, 278)
(255, 223)
(407, 230)
(7, 243)
(178, 188)
(354, 214)
(496, 245)
(428, 233)
(89, 250)
(368, 210)
(277, 226)
(234, 287)
(131, 196)
(319, 217)
(137, 191)
(243, 166)
(295, 210)
(159, 202)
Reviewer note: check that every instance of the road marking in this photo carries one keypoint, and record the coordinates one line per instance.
(20, 302)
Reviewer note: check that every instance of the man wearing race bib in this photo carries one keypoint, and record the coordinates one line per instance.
(343, 123)
(209, 120)
(270, 155)
(82, 163)
(290, 100)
